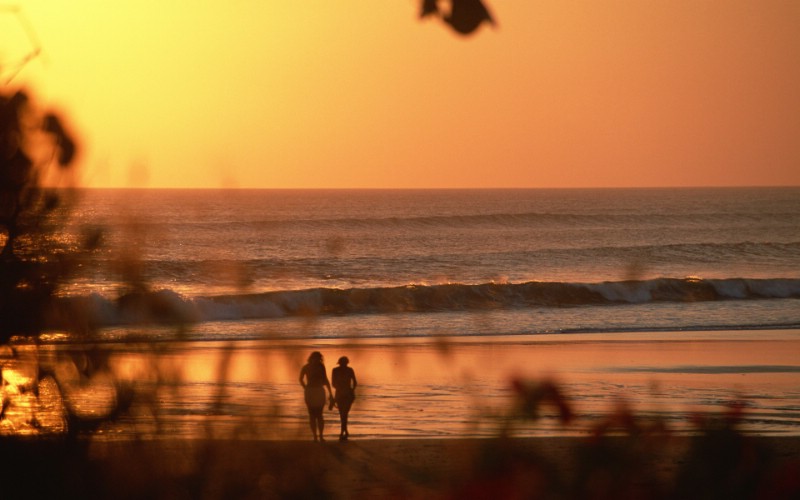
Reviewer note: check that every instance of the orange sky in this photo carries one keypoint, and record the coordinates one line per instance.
(321, 93)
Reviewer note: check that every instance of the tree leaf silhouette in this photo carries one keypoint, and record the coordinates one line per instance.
(429, 7)
(464, 16)
(467, 15)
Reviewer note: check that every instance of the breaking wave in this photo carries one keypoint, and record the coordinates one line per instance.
(133, 308)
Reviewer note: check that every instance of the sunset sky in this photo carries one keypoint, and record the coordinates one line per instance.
(357, 93)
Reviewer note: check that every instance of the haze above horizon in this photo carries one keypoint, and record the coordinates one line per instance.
(322, 94)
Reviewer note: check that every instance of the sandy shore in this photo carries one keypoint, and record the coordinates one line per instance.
(721, 466)
(665, 376)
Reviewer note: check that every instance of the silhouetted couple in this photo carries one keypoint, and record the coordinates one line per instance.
(314, 379)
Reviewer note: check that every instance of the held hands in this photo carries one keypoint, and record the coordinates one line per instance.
(331, 403)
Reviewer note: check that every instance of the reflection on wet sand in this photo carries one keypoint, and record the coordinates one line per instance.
(409, 389)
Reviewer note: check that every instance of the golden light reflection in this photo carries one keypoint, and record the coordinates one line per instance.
(221, 389)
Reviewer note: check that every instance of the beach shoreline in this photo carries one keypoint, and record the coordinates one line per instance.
(457, 388)
(606, 447)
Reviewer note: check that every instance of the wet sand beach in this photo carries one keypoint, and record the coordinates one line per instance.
(658, 415)
(464, 387)
(423, 388)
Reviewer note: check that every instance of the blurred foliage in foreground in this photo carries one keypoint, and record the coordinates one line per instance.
(74, 388)
(33, 259)
(623, 457)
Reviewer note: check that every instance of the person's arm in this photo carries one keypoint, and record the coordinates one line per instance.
(328, 385)
(335, 377)
(302, 374)
(355, 382)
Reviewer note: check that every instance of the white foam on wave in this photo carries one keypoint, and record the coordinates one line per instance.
(168, 306)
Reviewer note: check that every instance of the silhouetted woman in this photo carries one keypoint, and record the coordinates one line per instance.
(344, 381)
(314, 379)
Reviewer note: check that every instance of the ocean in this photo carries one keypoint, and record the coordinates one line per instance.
(539, 261)
(682, 301)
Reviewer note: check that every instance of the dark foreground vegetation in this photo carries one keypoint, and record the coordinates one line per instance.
(718, 462)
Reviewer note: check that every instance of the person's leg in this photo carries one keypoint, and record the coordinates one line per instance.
(312, 422)
(344, 411)
(342, 419)
(321, 423)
